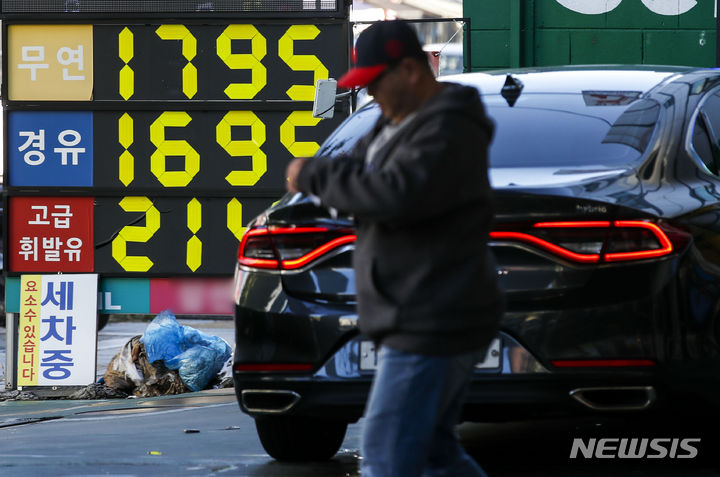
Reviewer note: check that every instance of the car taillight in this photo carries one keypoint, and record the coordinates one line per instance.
(596, 241)
(289, 248)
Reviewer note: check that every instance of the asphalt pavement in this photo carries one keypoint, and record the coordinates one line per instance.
(201, 433)
(194, 434)
(205, 434)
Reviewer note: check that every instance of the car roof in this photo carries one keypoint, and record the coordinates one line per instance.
(445, 48)
(574, 79)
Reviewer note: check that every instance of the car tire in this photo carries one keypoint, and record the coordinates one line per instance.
(300, 439)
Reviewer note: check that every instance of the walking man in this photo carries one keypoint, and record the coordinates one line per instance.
(417, 186)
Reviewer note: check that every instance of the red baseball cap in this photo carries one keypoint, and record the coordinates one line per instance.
(381, 45)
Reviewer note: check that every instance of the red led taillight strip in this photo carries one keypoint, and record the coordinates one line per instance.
(568, 225)
(563, 252)
(602, 363)
(323, 249)
(258, 262)
(255, 262)
(296, 230)
(666, 246)
(296, 262)
(550, 247)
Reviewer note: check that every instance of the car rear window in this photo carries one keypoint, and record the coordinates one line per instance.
(569, 130)
(544, 130)
(344, 138)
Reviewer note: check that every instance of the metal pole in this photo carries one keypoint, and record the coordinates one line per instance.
(468, 46)
(516, 36)
(10, 351)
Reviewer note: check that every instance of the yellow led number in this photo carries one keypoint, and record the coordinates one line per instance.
(189, 50)
(126, 171)
(244, 61)
(126, 52)
(172, 147)
(223, 136)
(194, 245)
(143, 233)
(135, 233)
(166, 147)
(243, 148)
(236, 61)
(235, 148)
(301, 62)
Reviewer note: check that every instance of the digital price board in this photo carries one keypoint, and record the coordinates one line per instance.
(166, 136)
(173, 62)
(176, 235)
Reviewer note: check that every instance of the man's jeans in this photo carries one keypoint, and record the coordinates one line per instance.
(414, 406)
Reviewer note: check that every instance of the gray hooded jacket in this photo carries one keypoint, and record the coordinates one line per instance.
(425, 278)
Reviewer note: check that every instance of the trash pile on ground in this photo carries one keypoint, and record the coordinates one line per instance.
(92, 391)
(97, 391)
(18, 396)
(169, 358)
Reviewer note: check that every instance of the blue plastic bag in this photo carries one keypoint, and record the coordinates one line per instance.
(197, 357)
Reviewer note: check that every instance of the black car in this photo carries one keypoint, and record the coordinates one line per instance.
(607, 238)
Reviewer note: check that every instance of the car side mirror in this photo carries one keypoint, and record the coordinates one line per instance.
(324, 104)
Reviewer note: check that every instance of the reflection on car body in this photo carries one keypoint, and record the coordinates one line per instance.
(607, 239)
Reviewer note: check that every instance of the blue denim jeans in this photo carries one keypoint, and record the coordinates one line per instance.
(414, 406)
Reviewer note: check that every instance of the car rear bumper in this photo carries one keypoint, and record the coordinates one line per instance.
(488, 399)
(519, 387)
(538, 338)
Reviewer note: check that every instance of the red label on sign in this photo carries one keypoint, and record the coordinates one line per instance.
(51, 234)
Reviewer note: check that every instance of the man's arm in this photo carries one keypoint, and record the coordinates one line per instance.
(293, 169)
(443, 164)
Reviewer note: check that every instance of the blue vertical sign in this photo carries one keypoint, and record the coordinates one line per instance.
(50, 148)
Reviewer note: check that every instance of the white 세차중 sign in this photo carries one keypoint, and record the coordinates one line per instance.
(57, 331)
(661, 7)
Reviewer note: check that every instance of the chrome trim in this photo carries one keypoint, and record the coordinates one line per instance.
(650, 396)
(258, 410)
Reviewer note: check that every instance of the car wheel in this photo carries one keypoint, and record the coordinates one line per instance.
(295, 439)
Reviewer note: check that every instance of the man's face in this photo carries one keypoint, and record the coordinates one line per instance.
(392, 91)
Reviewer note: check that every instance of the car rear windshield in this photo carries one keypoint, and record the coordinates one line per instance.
(344, 138)
(571, 130)
(595, 129)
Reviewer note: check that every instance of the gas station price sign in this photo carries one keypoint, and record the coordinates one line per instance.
(176, 132)
(173, 62)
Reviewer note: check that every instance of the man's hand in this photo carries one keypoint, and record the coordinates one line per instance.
(293, 169)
